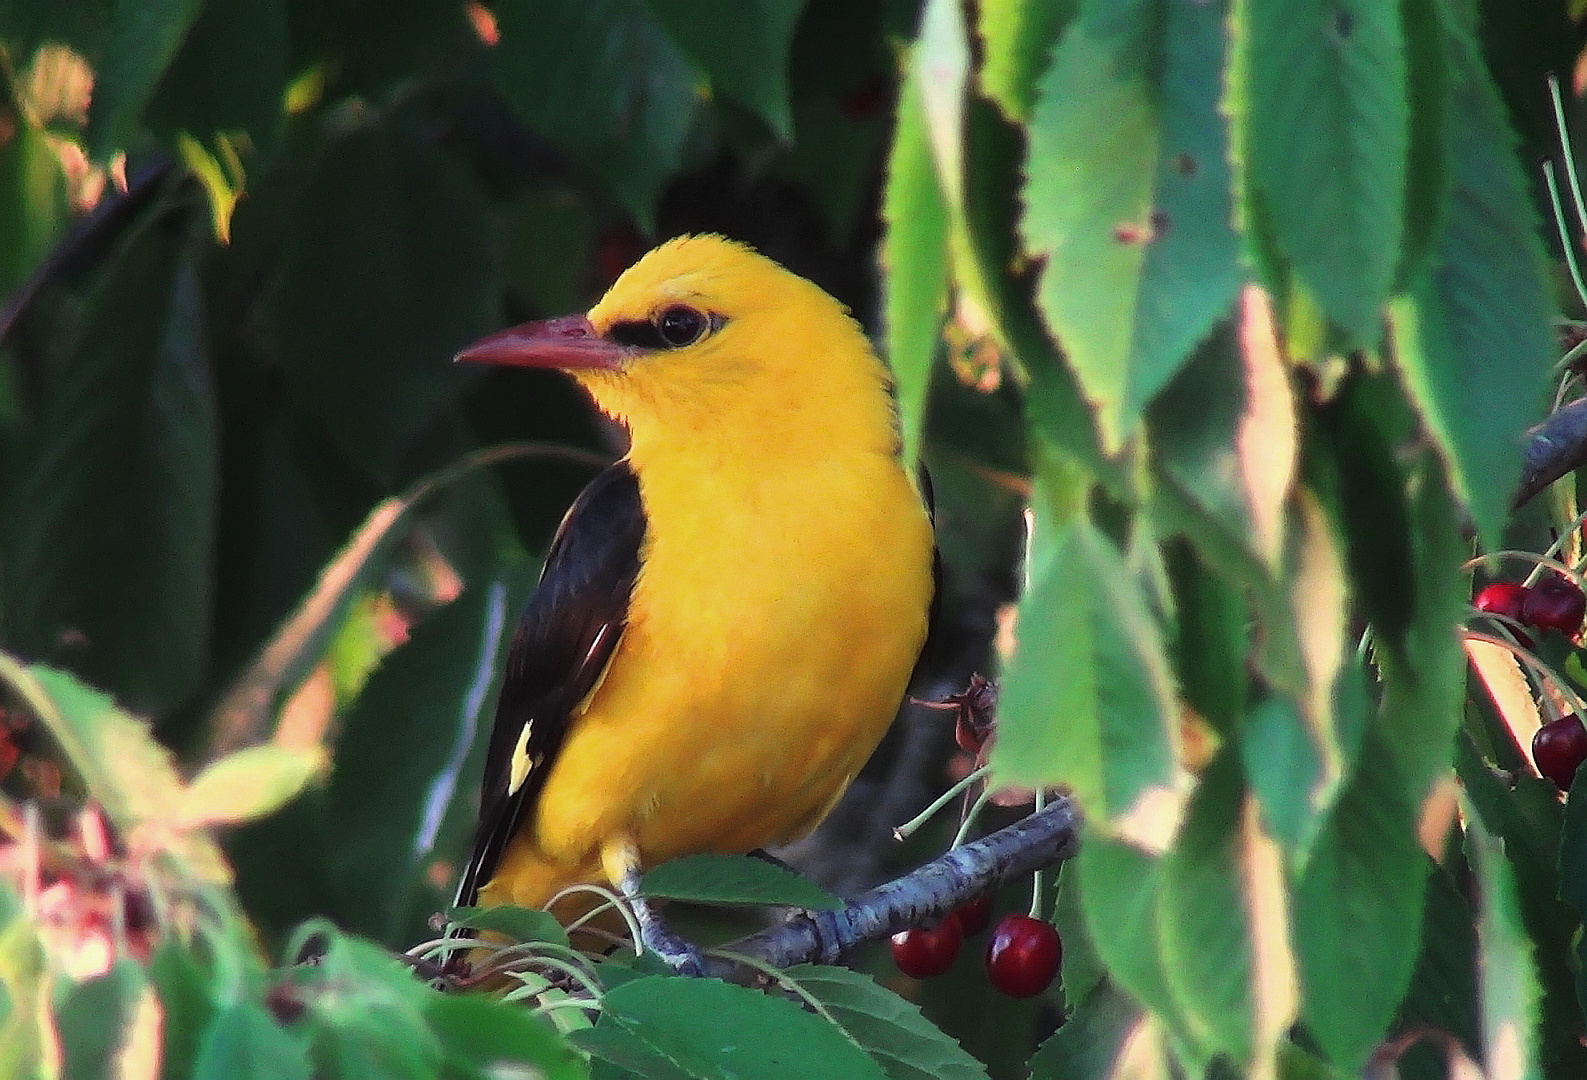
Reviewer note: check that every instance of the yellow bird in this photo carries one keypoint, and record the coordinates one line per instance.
(728, 617)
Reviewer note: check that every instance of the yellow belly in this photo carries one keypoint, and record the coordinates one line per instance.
(769, 644)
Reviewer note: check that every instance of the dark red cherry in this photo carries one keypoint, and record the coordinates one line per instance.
(1559, 748)
(1555, 603)
(1022, 956)
(923, 952)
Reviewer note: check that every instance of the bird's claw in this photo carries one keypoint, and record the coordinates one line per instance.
(682, 957)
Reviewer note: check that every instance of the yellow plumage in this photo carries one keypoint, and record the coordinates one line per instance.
(784, 581)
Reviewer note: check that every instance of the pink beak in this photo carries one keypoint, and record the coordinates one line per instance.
(568, 342)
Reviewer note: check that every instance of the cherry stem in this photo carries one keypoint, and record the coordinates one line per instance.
(1036, 877)
(1534, 665)
(1538, 561)
(910, 827)
(971, 814)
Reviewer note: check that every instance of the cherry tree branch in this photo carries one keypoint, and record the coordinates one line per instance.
(1555, 447)
(1044, 838)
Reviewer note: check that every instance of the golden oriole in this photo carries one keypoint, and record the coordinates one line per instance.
(728, 617)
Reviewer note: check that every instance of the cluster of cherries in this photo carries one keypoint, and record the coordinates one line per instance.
(1554, 603)
(1022, 955)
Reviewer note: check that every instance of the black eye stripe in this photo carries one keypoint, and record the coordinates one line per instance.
(648, 334)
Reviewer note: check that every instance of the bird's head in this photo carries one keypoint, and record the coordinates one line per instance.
(700, 333)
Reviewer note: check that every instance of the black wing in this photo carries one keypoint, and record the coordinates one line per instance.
(562, 645)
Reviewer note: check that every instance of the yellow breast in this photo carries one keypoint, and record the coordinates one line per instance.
(771, 635)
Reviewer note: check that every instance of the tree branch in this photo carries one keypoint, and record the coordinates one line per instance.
(1042, 839)
(1556, 446)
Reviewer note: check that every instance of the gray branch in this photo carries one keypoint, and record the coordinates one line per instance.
(1557, 445)
(1040, 840)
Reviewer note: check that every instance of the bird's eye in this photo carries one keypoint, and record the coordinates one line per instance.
(680, 326)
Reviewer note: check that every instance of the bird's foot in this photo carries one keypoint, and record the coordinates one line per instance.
(678, 954)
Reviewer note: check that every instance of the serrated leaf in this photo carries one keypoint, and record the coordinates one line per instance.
(914, 259)
(1094, 1041)
(1202, 922)
(1527, 817)
(604, 80)
(127, 435)
(1443, 990)
(1127, 197)
(516, 923)
(248, 784)
(1087, 699)
(1473, 340)
(392, 264)
(715, 878)
(1358, 910)
(743, 47)
(1320, 92)
(715, 1031)
(489, 1037)
(243, 1041)
(903, 1042)
(1510, 994)
(122, 767)
(1018, 38)
(142, 38)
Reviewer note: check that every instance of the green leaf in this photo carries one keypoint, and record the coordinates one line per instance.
(365, 1012)
(1423, 690)
(714, 878)
(93, 1020)
(184, 985)
(1087, 699)
(1319, 92)
(1443, 990)
(516, 923)
(248, 784)
(1358, 910)
(914, 259)
(1128, 199)
(1091, 1042)
(392, 264)
(142, 38)
(205, 91)
(33, 203)
(619, 1054)
(1510, 993)
(245, 1042)
(743, 47)
(492, 1038)
(1527, 819)
(128, 435)
(715, 1031)
(1225, 431)
(434, 696)
(604, 80)
(1212, 639)
(1119, 884)
(1201, 915)
(1473, 340)
(904, 1043)
(1573, 852)
(1428, 74)
(1018, 38)
(247, 709)
(25, 1013)
(1285, 767)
